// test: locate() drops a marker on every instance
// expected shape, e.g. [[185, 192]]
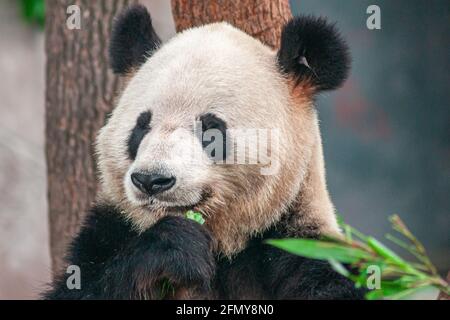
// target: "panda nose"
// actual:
[[152, 183]]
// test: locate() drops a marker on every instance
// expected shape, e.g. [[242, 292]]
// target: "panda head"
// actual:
[[215, 85]]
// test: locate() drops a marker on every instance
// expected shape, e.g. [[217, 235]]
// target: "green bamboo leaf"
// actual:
[[322, 250], [388, 288], [374, 295], [361, 278], [399, 242], [339, 267], [348, 233], [340, 220], [383, 294], [410, 293], [385, 252], [405, 280], [196, 216]]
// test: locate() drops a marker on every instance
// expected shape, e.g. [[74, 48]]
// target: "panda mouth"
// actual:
[[154, 203]]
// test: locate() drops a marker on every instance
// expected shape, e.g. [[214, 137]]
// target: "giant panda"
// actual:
[[136, 238]]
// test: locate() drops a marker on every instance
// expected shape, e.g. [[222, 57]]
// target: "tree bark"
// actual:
[[262, 19], [79, 94]]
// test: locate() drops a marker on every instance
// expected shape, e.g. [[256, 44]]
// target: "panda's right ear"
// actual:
[[133, 39]]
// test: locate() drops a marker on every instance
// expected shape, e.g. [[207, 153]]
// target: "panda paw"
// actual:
[[179, 259]]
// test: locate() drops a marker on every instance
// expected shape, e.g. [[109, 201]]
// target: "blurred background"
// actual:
[[386, 133]]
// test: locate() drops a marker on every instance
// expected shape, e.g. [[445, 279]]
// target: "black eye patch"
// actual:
[[138, 133], [211, 121]]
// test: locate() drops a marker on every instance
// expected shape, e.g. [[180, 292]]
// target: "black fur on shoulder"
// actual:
[[294, 277], [133, 39], [261, 271], [312, 50], [104, 232]]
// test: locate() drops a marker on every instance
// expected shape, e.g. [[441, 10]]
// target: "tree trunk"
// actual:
[[79, 94], [262, 19]]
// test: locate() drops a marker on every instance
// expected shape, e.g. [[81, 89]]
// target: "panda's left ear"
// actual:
[[133, 39], [313, 53]]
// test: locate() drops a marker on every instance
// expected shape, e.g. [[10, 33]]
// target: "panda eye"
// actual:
[[138, 133], [211, 121], [143, 121]]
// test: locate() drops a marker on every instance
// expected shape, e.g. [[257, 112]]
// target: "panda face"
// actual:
[[152, 154]]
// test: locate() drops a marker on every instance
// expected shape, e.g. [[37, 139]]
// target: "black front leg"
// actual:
[[176, 253], [117, 263]]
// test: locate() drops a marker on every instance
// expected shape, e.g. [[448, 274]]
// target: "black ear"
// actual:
[[313, 51], [133, 39]]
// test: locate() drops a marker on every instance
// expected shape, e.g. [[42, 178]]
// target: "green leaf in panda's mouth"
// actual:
[[196, 216]]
